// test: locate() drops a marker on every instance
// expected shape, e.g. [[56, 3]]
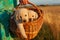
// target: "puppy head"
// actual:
[[23, 14], [32, 15]]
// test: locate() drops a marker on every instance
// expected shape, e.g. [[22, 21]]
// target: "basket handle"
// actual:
[[35, 7], [39, 12]]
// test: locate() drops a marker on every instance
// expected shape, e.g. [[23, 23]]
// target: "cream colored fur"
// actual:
[[32, 15], [21, 13]]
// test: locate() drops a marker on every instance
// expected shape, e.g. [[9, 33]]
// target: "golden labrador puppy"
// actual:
[[32, 15], [21, 15]]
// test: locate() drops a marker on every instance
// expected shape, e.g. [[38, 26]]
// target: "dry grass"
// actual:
[[52, 16]]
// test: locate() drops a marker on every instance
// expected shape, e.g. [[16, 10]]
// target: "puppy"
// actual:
[[21, 15], [32, 15]]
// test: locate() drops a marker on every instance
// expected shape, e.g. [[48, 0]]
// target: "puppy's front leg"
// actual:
[[21, 28]]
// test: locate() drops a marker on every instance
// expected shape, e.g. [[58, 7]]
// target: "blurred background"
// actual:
[[51, 27], [45, 2]]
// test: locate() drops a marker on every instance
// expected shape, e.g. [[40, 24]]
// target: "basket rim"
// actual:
[[39, 18]]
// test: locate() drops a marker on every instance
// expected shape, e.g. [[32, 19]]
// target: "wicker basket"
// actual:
[[31, 28]]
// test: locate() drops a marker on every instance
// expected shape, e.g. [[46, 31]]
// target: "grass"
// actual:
[[45, 33]]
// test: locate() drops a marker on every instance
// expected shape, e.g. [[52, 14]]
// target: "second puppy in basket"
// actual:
[[32, 15]]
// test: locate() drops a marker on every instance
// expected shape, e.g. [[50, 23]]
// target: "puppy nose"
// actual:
[[30, 19], [24, 20]]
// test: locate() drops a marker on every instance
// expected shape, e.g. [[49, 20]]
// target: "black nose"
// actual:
[[30, 19], [24, 20]]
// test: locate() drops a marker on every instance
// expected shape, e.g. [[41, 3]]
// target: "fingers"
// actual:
[[23, 2]]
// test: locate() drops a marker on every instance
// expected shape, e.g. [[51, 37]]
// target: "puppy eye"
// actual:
[[20, 17], [32, 16], [25, 15]]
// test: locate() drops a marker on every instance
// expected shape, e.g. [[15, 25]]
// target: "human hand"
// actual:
[[23, 2]]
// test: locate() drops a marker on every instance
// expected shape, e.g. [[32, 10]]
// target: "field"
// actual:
[[52, 17]]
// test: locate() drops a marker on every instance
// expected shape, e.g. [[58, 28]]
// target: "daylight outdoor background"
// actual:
[[44, 2], [51, 27]]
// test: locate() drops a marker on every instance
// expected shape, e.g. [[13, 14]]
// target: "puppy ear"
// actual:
[[14, 9], [36, 16]]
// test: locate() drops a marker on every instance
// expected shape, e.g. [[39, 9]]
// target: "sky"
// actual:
[[44, 2]]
